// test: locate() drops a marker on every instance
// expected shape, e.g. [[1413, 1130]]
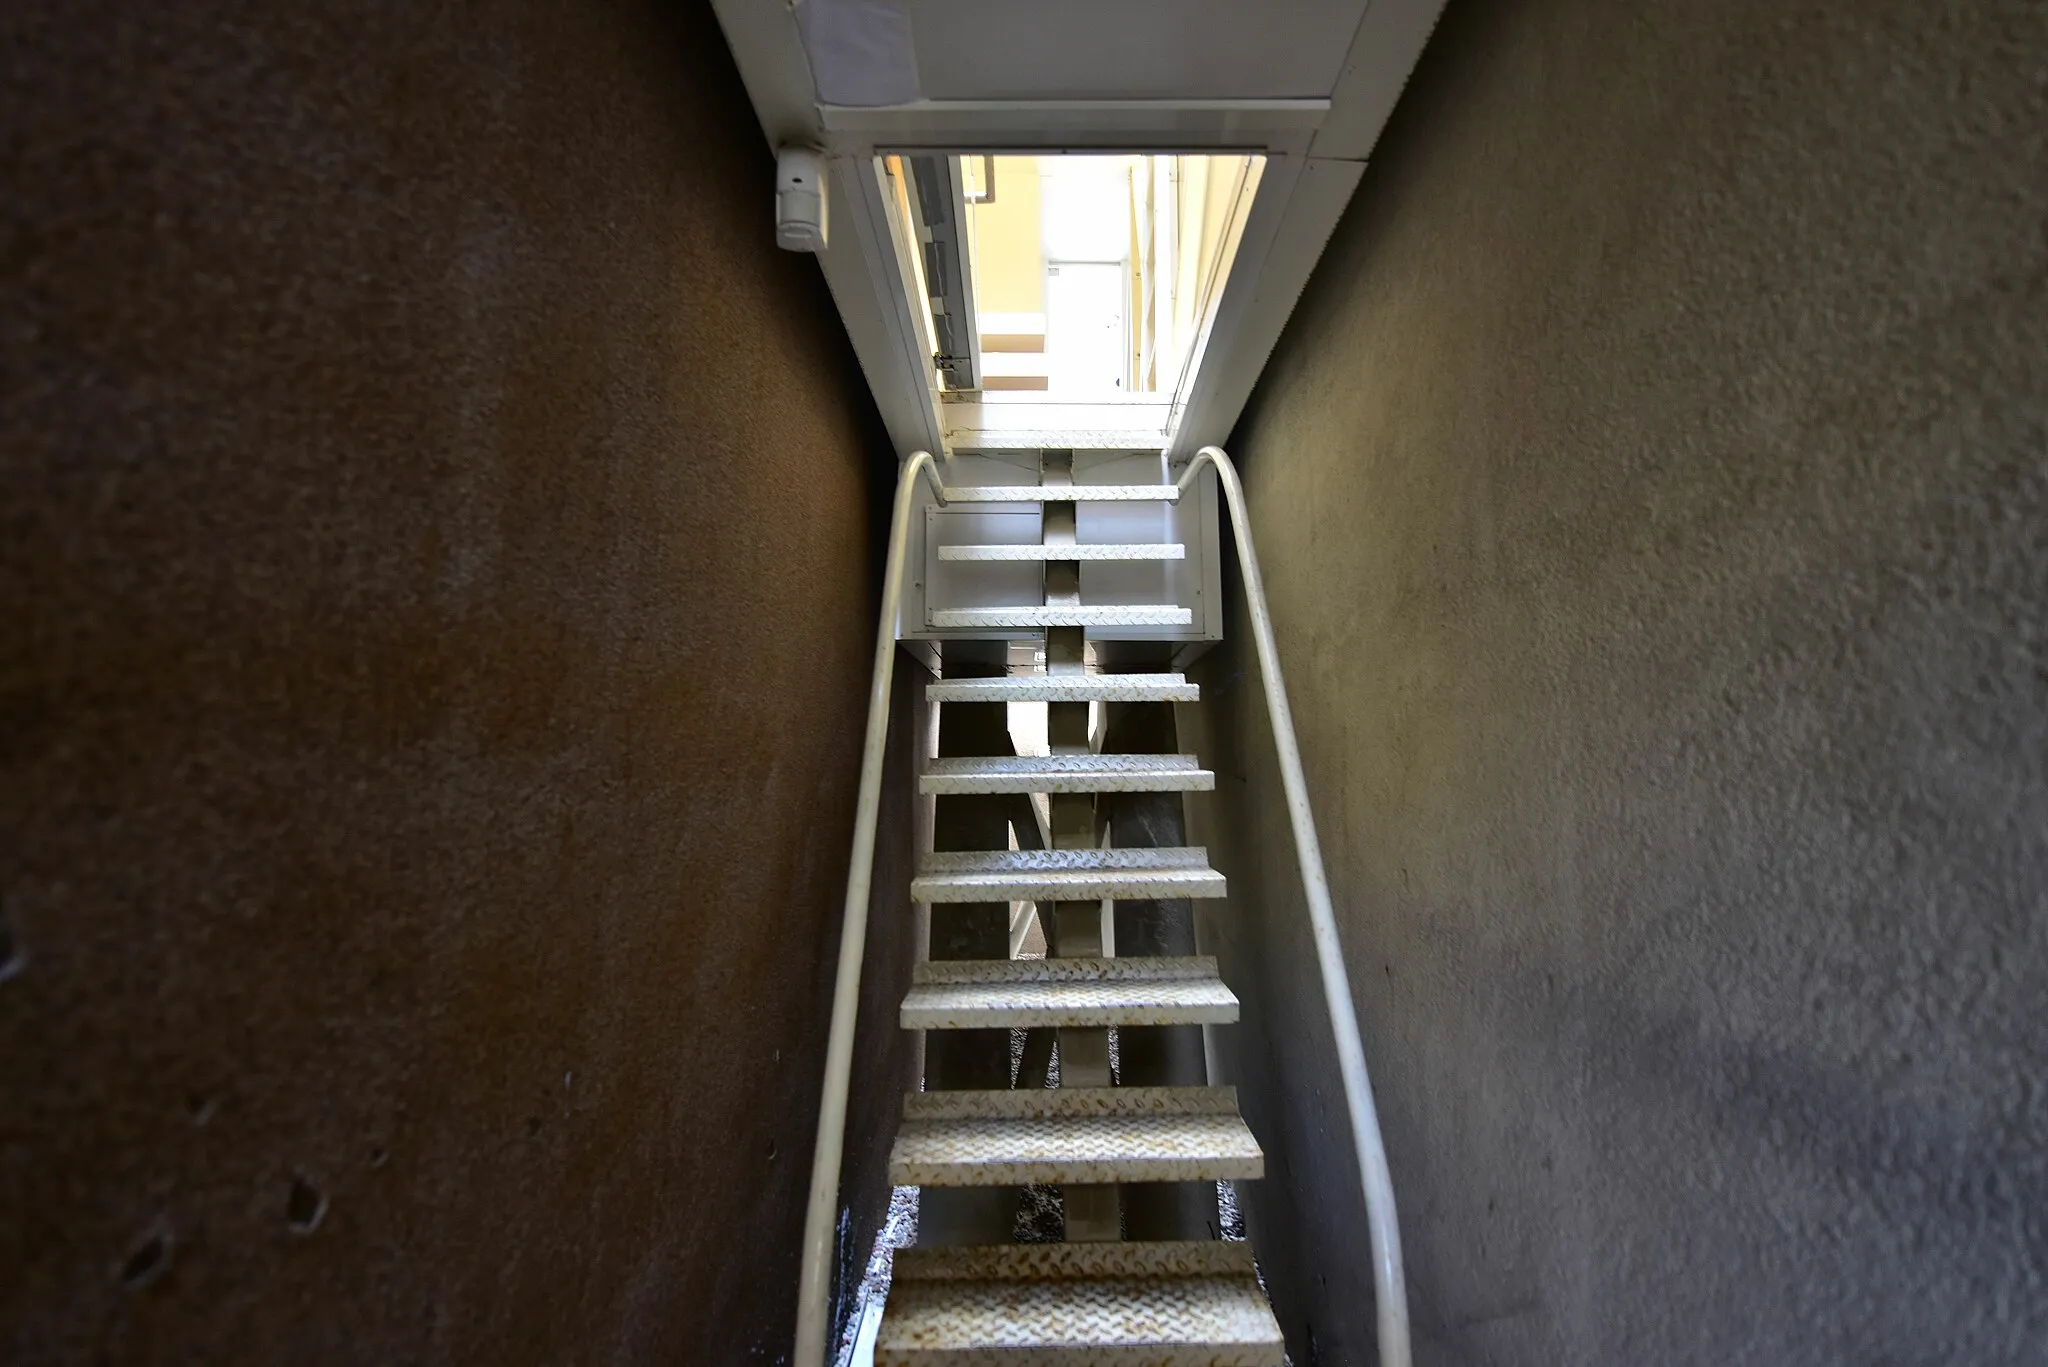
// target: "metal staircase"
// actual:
[[964, 1296]]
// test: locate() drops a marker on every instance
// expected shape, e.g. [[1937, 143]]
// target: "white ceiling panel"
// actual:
[[1130, 49]]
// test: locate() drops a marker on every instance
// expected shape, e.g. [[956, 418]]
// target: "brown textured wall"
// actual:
[[1652, 487], [437, 589]]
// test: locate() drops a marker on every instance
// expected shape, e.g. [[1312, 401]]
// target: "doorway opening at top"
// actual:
[[1069, 295]]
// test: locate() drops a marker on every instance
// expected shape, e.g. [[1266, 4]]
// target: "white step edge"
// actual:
[[974, 994], [1066, 875], [1142, 550], [1114, 1304], [1073, 1134], [1022, 1103], [1067, 774], [1066, 688], [1083, 615], [1063, 493]]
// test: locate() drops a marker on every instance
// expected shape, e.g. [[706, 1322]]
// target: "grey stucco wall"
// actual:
[[1653, 491]]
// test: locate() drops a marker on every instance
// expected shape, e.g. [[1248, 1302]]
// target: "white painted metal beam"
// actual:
[[875, 299], [1390, 38], [1067, 125], [1298, 206]]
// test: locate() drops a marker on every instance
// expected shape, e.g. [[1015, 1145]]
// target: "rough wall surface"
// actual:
[[437, 589], [1653, 492]]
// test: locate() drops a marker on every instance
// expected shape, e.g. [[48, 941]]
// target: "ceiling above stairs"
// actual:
[[1307, 84], [1126, 49]]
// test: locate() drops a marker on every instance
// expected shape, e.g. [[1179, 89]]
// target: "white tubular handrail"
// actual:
[[1390, 1289], [821, 1216]]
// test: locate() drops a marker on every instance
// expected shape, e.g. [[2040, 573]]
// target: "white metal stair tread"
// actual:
[[978, 436], [1073, 1134], [1068, 774], [1142, 550], [1066, 615], [975, 994], [1066, 688], [1196, 1304], [1086, 1302], [1065, 875], [1062, 493]]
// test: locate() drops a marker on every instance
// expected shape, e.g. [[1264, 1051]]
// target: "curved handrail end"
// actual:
[[821, 1211], [1383, 1225]]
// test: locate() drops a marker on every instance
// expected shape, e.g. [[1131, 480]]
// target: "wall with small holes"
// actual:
[[438, 588]]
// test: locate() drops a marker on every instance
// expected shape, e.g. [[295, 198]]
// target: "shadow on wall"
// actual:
[[1649, 489], [436, 523]]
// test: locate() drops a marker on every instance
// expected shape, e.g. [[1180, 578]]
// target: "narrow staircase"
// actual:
[[1094, 1298]]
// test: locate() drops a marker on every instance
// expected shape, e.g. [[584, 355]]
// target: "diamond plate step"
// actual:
[[1073, 1134], [1192, 1304], [1066, 615], [978, 994], [1145, 550], [1066, 688], [1063, 493], [1068, 774], [1065, 875]]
